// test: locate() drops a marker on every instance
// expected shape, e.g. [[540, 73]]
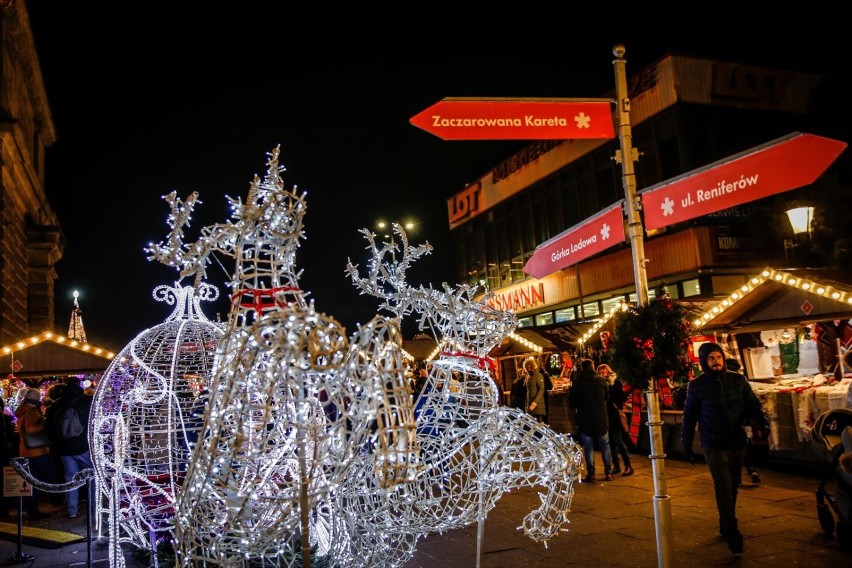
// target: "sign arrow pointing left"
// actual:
[[517, 119]]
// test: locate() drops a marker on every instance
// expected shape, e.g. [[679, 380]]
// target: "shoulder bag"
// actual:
[[34, 440]]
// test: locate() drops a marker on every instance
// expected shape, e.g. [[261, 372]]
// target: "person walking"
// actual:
[[535, 405], [72, 449], [617, 398], [31, 421], [719, 402], [588, 397]]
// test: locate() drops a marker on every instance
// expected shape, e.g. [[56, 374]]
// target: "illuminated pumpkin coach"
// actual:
[[147, 414]]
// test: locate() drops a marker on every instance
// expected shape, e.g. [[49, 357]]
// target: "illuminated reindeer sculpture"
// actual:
[[292, 401], [473, 449]]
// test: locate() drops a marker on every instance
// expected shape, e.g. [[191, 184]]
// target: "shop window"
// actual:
[[726, 284], [544, 319], [590, 310], [505, 274], [691, 288], [565, 314], [611, 303], [652, 293], [570, 200], [525, 322], [493, 276]]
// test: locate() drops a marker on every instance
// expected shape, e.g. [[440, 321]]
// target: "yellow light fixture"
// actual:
[[801, 219]]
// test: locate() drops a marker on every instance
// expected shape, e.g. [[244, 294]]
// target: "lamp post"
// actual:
[[801, 220]]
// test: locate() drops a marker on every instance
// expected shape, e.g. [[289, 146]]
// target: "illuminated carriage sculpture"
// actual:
[[293, 402], [146, 416]]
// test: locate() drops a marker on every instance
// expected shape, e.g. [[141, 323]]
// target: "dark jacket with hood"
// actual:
[[73, 396], [588, 397], [720, 404]]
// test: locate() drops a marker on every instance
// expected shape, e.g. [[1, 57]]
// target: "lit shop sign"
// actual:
[[518, 299], [464, 204]]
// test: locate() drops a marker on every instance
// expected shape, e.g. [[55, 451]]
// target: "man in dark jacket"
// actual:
[[720, 402], [73, 452], [588, 397]]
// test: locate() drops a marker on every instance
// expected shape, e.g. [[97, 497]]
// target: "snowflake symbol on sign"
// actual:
[[605, 231], [668, 207], [582, 120]]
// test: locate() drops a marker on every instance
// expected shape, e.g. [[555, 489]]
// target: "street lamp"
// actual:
[[386, 228], [801, 220]]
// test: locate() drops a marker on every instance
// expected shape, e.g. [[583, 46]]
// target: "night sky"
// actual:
[[150, 98]]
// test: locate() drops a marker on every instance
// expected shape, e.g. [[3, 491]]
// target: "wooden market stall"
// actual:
[[547, 344], [791, 330], [43, 359]]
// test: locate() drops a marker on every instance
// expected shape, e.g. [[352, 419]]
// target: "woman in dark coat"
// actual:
[[617, 398], [589, 397]]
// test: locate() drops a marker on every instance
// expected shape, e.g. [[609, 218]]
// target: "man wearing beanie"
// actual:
[[720, 402]]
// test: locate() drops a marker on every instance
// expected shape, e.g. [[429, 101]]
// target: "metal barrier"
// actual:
[[81, 478]]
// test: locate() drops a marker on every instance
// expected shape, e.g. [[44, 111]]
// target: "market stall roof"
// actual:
[[561, 336], [775, 298], [420, 347], [49, 353], [536, 339]]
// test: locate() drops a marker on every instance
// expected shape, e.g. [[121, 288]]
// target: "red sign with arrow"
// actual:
[[595, 234], [778, 166], [517, 119]]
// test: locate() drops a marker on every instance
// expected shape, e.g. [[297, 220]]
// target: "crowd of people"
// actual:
[[35, 431], [597, 398]]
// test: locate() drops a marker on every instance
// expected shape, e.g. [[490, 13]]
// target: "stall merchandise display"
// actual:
[[794, 403]]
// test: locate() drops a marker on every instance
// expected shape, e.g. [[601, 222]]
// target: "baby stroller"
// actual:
[[831, 436]]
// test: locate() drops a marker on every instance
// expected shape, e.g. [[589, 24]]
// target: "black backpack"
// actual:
[[68, 423]]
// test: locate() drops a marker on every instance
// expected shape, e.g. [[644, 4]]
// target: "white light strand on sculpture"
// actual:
[[146, 416], [292, 401], [473, 449]]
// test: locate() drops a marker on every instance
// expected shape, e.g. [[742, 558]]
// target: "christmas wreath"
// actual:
[[651, 341]]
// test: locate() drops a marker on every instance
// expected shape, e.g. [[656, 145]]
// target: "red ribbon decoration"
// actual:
[[484, 363], [261, 300], [665, 393]]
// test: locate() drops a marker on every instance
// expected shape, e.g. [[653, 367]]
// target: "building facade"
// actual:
[[686, 113], [31, 240]]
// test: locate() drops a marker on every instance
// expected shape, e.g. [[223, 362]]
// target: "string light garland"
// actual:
[[781, 277], [60, 339]]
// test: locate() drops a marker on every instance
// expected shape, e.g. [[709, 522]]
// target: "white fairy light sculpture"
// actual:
[[292, 401], [146, 416], [473, 449]]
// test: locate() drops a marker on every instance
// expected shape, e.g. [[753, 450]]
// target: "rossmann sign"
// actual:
[[519, 299]]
